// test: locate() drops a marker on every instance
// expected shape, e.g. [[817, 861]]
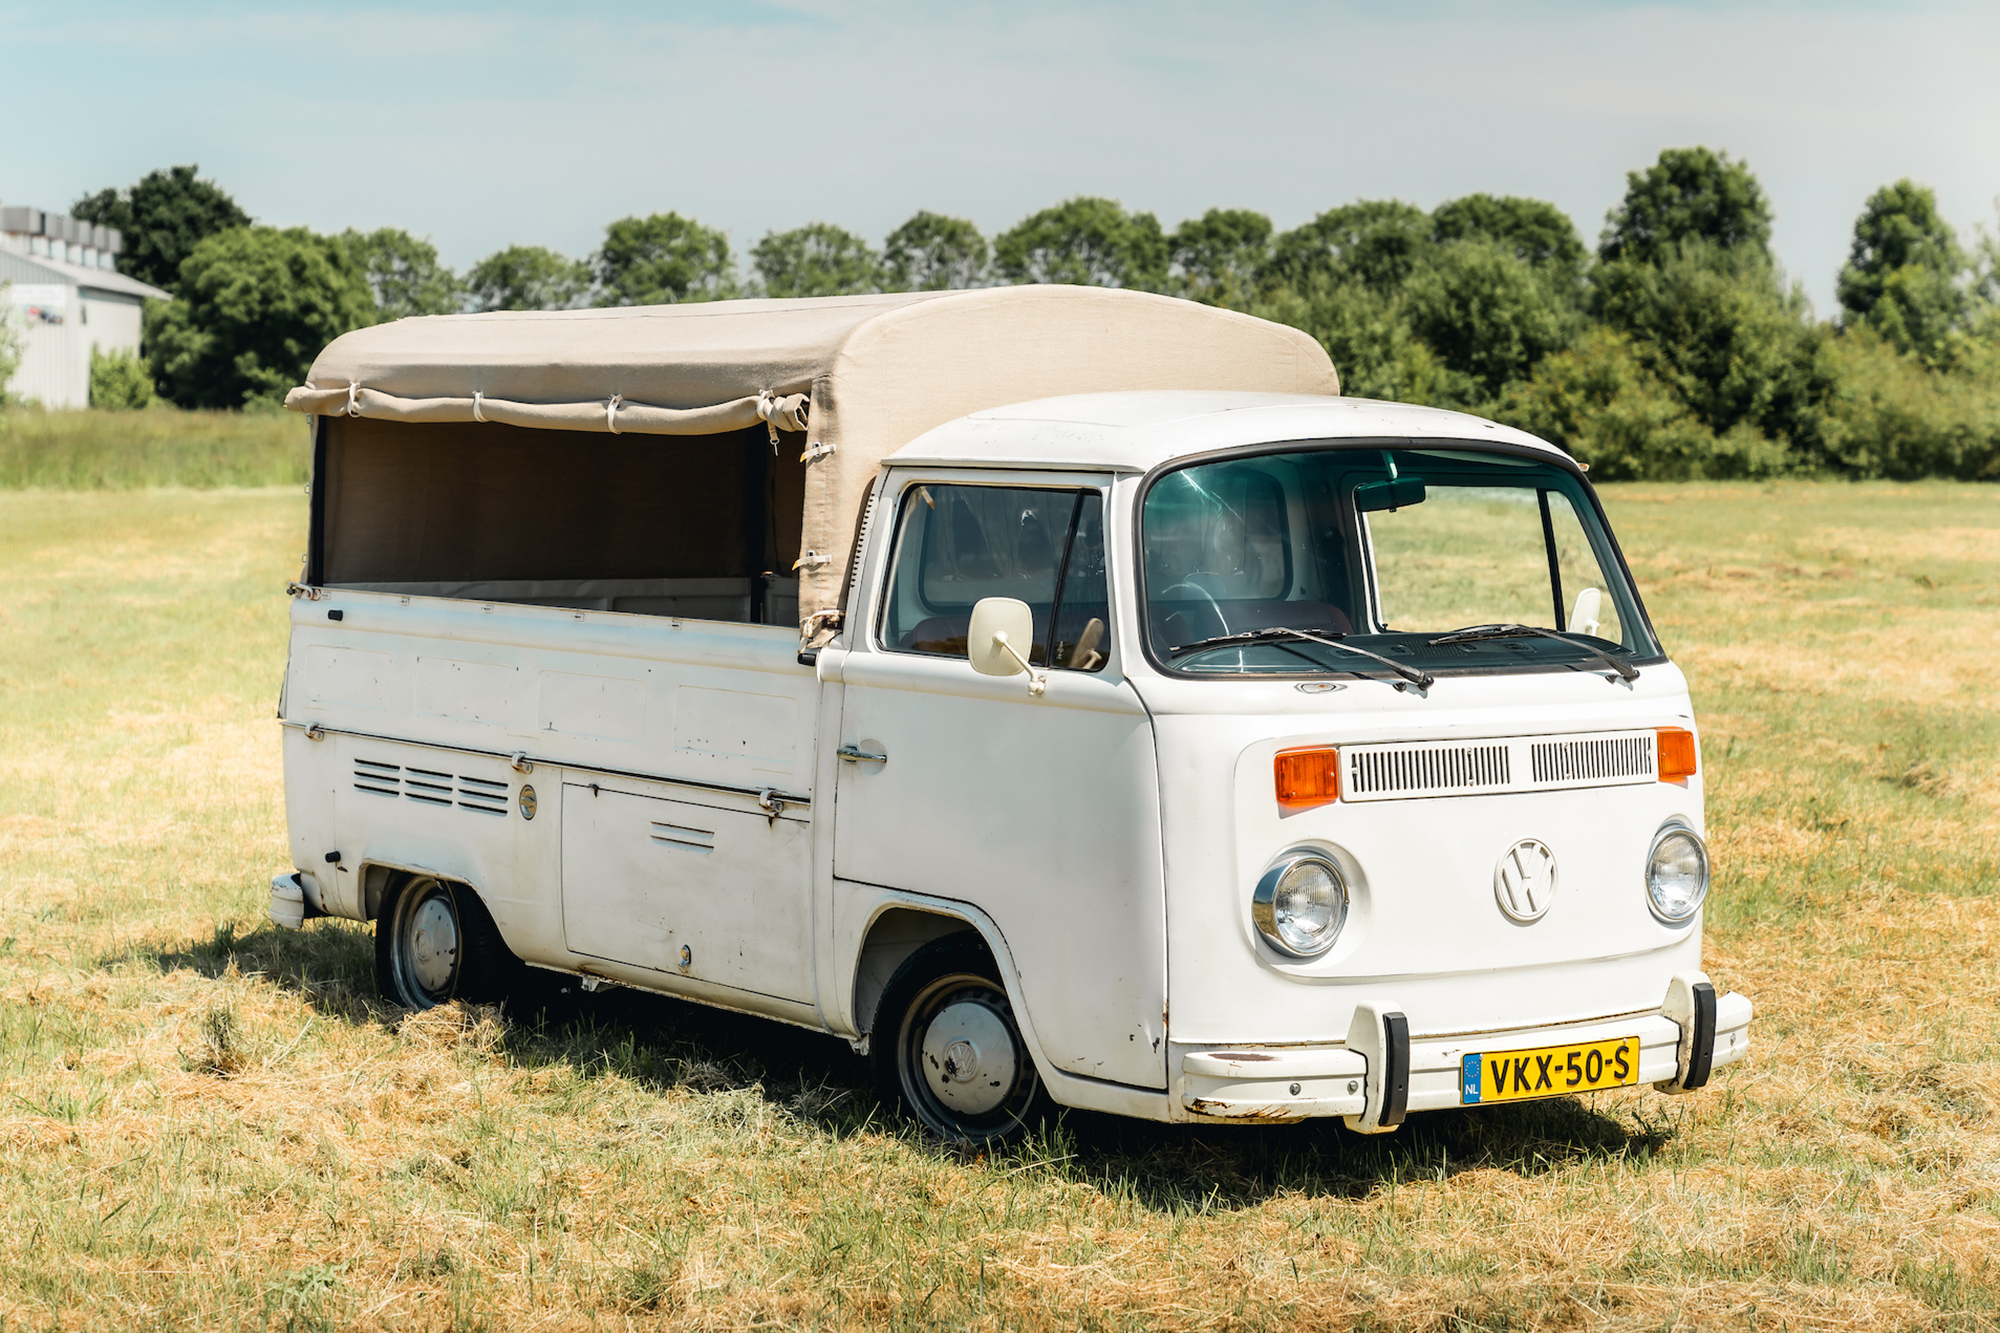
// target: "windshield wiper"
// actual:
[[1423, 680], [1478, 632]]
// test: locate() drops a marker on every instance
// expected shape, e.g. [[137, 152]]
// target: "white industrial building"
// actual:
[[65, 296]]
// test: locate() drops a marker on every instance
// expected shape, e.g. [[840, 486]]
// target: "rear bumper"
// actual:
[[1266, 1084], [295, 900]]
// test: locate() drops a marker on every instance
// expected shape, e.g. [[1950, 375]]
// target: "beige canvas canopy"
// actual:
[[861, 375]]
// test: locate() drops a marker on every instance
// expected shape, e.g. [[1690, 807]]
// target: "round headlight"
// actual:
[[1300, 905], [1676, 874]]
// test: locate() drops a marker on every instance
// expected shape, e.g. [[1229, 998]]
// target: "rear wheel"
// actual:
[[434, 943], [946, 1045]]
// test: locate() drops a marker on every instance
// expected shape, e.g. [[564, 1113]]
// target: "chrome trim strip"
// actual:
[[317, 729]]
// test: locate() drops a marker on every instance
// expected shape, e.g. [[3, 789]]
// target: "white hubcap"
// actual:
[[433, 945], [968, 1058]]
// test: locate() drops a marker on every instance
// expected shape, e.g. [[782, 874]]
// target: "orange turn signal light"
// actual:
[[1307, 777], [1678, 761]]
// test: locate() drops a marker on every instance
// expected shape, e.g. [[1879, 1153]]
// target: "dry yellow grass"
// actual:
[[206, 1123]]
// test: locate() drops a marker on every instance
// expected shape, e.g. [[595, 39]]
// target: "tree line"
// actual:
[[1675, 348]]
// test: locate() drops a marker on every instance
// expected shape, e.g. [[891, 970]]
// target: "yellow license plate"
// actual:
[[1548, 1071]]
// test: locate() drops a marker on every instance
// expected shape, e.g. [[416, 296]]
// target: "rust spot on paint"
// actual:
[[1222, 1110]]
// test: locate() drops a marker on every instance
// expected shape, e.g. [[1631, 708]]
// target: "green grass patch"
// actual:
[[93, 450]]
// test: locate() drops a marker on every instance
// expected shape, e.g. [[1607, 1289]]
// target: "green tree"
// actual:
[[818, 259], [404, 273], [1087, 241], [1489, 315], [1534, 230], [661, 260], [1985, 271], [1366, 332], [1379, 242], [1903, 274], [934, 253], [1894, 416], [1218, 256], [256, 305], [1599, 401], [1690, 194], [163, 218], [1717, 326], [527, 277], [119, 380]]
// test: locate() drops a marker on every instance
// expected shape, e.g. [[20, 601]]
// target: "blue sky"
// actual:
[[537, 124]]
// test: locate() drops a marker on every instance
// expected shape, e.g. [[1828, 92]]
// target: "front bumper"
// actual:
[[1361, 1080]]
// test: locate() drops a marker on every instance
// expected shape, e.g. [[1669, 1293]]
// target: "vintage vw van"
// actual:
[[1064, 695]]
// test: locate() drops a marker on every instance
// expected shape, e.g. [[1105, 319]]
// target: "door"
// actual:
[[688, 888], [1042, 811]]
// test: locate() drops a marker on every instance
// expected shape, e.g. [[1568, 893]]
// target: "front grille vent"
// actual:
[[1592, 760], [428, 786], [1422, 770], [1412, 769]]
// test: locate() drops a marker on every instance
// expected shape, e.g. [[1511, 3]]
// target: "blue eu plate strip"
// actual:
[[1469, 1081]]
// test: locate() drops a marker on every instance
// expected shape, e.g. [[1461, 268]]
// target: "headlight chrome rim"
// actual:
[[1279, 923], [1676, 829]]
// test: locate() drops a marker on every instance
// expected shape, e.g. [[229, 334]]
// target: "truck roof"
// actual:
[[1139, 431]]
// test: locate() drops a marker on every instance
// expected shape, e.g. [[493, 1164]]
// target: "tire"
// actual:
[[435, 943], [946, 1046]]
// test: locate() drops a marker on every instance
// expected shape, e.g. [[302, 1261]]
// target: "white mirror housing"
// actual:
[[1000, 638], [1583, 619]]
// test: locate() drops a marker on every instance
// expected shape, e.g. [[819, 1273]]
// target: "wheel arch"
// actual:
[[903, 923], [379, 877]]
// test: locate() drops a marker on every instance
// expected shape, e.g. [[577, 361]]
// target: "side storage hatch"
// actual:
[[645, 878]]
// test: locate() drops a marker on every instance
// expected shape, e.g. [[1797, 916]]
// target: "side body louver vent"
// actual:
[[430, 787]]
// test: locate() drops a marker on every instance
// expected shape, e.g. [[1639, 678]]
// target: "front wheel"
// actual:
[[947, 1046], [434, 943]]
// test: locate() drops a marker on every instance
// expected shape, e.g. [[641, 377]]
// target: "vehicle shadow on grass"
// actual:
[[1175, 1169], [668, 1044], [654, 1040], [1203, 1168]]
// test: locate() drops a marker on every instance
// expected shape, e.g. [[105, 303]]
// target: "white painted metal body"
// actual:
[[696, 831]]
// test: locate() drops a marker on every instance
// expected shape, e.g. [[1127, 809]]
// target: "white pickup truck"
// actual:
[[1064, 695]]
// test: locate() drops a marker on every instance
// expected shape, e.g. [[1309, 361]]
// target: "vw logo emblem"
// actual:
[[1525, 880]]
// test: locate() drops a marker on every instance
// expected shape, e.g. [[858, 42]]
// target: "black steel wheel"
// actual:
[[946, 1045], [434, 943]]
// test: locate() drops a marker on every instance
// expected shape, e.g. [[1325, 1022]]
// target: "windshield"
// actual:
[[1383, 551]]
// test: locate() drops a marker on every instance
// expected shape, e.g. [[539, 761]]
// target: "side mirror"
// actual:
[[1583, 619], [1396, 494], [1001, 628]]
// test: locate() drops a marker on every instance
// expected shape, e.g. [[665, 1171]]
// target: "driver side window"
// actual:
[[957, 544]]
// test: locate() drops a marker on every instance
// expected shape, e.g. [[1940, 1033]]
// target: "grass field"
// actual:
[[96, 450], [207, 1123]]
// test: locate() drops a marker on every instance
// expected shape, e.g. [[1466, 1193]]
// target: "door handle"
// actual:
[[852, 754]]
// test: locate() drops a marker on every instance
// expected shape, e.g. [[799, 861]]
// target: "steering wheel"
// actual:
[[1214, 605]]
